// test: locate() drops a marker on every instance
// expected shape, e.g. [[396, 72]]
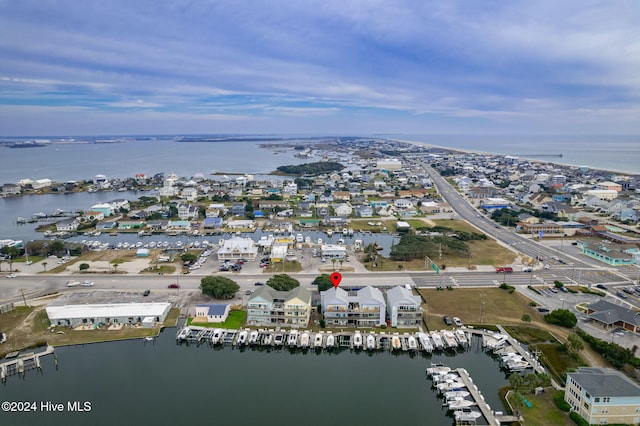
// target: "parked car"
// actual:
[[600, 286], [146, 292], [447, 320], [627, 290], [621, 295], [564, 289], [547, 266], [12, 275], [543, 310], [247, 293], [259, 283], [457, 321], [174, 285], [236, 268]]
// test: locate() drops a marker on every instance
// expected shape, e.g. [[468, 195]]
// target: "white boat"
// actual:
[[345, 231], [458, 403], [454, 394], [350, 232], [449, 339], [413, 344], [253, 337], [518, 365], [437, 340], [330, 341], [242, 337], [149, 339], [292, 341], [466, 414], [307, 240], [182, 334], [278, 339], [267, 340], [437, 368], [461, 337], [317, 340], [371, 342], [357, 340], [304, 340], [299, 238], [217, 335], [449, 385], [320, 241], [329, 232], [395, 342], [425, 342]]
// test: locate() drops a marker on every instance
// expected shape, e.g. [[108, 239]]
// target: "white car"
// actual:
[[546, 266], [11, 275], [457, 321], [87, 283]]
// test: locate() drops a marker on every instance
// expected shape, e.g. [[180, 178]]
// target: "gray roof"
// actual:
[[269, 294], [604, 382], [399, 295], [610, 313]]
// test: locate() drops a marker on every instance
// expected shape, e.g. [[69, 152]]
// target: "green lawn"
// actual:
[[557, 359], [529, 335], [543, 411], [234, 321]]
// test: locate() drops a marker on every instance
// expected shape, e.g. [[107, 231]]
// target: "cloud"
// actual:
[[457, 63]]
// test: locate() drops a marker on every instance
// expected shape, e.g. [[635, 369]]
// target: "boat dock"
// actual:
[[19, 363], [531, 359], [492, 417]]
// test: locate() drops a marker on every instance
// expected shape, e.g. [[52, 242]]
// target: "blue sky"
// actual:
[[319, 67]]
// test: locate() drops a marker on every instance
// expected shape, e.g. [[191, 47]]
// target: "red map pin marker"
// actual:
[[335, 278]]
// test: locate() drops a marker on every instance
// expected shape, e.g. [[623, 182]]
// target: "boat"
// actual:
[[242, 338], [449, 339], [454, 394], [395, 342], [292, 341], [183, 333], [345, 231], [267, 340], [21, 220], [253, 337], [149, 339], [357, 340], [466, 415], [299, 238], [329, 232], [278, 340], [437, 340], [459, 403], [449, 385], [350, 232], [304, 340], [217, 335], [319, 241], [461, 337], [437, 368], [439, 378], [317, 341], [425, 342], [413, 344], [330, 340], [371, 342]]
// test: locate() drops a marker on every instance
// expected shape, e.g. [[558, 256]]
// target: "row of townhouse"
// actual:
[[368, 307]]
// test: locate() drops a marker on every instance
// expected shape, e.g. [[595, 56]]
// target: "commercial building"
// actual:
[[238, 248], [603, 396], [108, 313]]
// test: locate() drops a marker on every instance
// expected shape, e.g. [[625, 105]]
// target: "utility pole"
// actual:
[[23, 298]]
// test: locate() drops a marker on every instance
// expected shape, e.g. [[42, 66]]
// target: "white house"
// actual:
[[362, 308], [212, 312], [403, 308], [238, 248], [41, 183], [70, 224]]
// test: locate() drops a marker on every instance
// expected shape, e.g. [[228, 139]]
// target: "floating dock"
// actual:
[[20, 363]]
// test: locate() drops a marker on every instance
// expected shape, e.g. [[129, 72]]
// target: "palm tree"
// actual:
[[341, 262], [333, 261]]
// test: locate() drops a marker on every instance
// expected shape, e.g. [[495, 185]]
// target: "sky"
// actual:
[[319, 67]]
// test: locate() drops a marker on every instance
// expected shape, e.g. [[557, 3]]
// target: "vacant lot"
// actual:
[[476, 306], [543, 410]]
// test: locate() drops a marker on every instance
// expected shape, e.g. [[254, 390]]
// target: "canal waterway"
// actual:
[[137, 382]]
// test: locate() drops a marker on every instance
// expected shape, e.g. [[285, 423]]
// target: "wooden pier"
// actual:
[[23, 362], [535, 364], [492, 417]]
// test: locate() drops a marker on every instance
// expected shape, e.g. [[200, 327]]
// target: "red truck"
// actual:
[[503, 269]]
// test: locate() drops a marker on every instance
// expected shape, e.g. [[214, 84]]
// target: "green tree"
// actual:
[[526, 318], [323, 282], [188, 257], [83, 266], [575, 342], [516, 381], [219, 287], [282, 282], [56, 247], [561, 317]]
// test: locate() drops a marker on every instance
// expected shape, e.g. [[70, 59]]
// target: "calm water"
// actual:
[[164, 383]]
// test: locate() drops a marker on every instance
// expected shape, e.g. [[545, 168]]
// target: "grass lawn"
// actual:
[[500, 306], [529, 335], [543, 410], [557, 359], [234, 321], [289, 266], [162, 269], [363, 225]]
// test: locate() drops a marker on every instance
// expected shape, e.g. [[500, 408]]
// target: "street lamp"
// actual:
[[562, 303]]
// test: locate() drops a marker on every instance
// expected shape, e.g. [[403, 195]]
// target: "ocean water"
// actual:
[[614, 153]]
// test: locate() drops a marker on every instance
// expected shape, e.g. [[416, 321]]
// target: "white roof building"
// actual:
[[109, 313], [238, 248]]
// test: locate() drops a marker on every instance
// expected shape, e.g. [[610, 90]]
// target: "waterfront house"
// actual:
[[103, 208], [10, 189], [179, 225], [603, 396], [211, 312], [106, 226], [241, 224], [41, 183], [187, 211], [70, 224], [361, 308], [213, 223], [130, 224], [238, 248], [238, 209], [269, 307], [92, 215], [160, 224], [403, 308]]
